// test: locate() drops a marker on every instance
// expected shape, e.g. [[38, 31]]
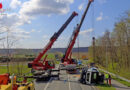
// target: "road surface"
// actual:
[[66, 82]]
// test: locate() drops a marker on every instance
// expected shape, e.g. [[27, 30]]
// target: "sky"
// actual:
[[33, 22]]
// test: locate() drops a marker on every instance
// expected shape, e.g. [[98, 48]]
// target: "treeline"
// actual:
[[112, 50]]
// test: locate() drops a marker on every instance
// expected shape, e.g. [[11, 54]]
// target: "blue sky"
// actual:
[[35, 21]]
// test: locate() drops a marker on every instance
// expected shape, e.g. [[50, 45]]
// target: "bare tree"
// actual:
[[8, 41]]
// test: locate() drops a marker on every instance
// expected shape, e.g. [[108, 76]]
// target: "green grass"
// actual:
[[105, 87], [3, 69], [50, 56], [121, 81], [13, 69]]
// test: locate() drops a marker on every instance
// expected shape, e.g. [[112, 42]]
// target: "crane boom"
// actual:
[[35, 64], [75, 35], [55, 36]]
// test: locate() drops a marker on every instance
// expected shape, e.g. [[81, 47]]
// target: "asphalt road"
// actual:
[[66, 82]]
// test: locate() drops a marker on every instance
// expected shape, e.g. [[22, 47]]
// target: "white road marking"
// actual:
[[47, 84], [69, 82]]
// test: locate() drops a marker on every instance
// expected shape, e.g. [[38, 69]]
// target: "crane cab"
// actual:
[[49, 64]]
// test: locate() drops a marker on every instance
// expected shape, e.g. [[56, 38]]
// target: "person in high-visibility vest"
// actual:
[[106, 77]]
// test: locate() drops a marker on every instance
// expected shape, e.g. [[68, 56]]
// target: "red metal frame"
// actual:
[[36, 64], [1, 6], [4, 79], [66, 60]]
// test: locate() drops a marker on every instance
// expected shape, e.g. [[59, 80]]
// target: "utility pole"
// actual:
[[93, 48]]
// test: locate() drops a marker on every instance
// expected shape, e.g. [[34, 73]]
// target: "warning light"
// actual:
[[1, 6]]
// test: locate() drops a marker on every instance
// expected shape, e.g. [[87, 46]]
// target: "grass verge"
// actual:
[[105, 87]]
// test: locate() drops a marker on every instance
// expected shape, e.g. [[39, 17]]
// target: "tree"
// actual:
[[113, 48], [8, 40]]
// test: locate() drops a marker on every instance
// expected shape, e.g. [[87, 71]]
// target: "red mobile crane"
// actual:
[[36, 64], [66, 60]]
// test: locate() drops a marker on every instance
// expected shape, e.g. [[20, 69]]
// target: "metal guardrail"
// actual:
[[122, 78]]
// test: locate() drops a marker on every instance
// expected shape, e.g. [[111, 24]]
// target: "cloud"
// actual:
[[39, 31], [81, 6], [86, 31], [33, 30], [20, 31], [102, 1], [14, 36], [9, 20], [100, 17], [12, 22], [21, 36], [28, 10], [45, 7], [15, 3], [45, 36]]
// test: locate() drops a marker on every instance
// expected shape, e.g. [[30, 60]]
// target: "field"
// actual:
[[14, 68]]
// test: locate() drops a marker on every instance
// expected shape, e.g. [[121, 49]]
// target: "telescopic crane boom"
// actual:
[[74, 36], [36, 63]]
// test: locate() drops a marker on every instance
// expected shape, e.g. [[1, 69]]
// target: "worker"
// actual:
[[109, 79], [106, 77]]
